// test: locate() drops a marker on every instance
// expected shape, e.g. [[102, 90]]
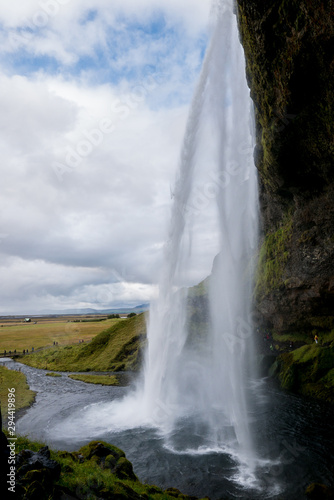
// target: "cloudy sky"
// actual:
[[94, 100]]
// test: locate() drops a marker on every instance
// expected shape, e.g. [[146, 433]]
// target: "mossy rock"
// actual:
[[110, 462], [124, 470], [100, 449], [308, 371], [289, 375], [274, 369], [174, 492]]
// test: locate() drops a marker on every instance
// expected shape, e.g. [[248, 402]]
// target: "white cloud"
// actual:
[[116, 141]]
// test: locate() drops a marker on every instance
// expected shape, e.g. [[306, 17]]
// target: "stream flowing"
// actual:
[[293, 435]]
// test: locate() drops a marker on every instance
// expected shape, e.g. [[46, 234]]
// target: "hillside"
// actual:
[[115, 349]]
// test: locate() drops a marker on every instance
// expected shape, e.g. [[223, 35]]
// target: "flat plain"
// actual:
[[16, 334]]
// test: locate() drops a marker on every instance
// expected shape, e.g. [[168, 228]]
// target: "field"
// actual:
[[116, 348], [10, 379], [45, 331]]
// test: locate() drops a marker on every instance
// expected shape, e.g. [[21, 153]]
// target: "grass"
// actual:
[[85, 474], [96, 379], [28, 335], [51, 374], [11, 379], [117, 348]]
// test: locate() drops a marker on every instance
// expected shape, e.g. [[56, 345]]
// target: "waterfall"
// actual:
[[193, 389], [203, 382]]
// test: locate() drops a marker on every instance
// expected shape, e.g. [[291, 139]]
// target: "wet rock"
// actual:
[[28, 460], [285, 46]]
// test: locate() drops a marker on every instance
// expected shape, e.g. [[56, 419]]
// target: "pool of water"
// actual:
[[293, 439]]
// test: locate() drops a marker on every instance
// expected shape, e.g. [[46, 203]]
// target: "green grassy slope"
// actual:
[[10, 379], [115, 349]]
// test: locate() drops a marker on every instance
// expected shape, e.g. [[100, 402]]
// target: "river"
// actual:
[[293, 437]]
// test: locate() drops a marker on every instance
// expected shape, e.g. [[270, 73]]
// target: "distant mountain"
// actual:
[[65, 312], [114, 310]]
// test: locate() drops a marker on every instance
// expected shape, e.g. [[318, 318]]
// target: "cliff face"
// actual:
[[289, 48]]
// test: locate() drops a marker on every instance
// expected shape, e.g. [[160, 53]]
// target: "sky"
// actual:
[[94, 101]]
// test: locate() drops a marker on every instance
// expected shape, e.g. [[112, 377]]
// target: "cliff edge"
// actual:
[[289, 48]]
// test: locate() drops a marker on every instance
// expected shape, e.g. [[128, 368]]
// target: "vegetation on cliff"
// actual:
[[273, 257], [308, 370], [98, 470], [290, 69], [115, 349], [289, 60]]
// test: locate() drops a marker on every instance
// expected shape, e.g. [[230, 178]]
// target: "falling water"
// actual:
[[193, 389], [203, 382]]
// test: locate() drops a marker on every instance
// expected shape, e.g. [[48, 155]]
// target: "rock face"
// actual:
[[289, 48]]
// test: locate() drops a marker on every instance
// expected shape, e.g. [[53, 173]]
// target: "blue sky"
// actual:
[[94, 99]]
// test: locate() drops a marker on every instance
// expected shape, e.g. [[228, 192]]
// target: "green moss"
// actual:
[[97, 470], [309, 371], [90, 449], [292, 337], [273, 256], [96, 379]]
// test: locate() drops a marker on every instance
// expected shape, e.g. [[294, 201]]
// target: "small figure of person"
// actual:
[[24, 351], [316, 338], [271, 347], [32, 349]]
